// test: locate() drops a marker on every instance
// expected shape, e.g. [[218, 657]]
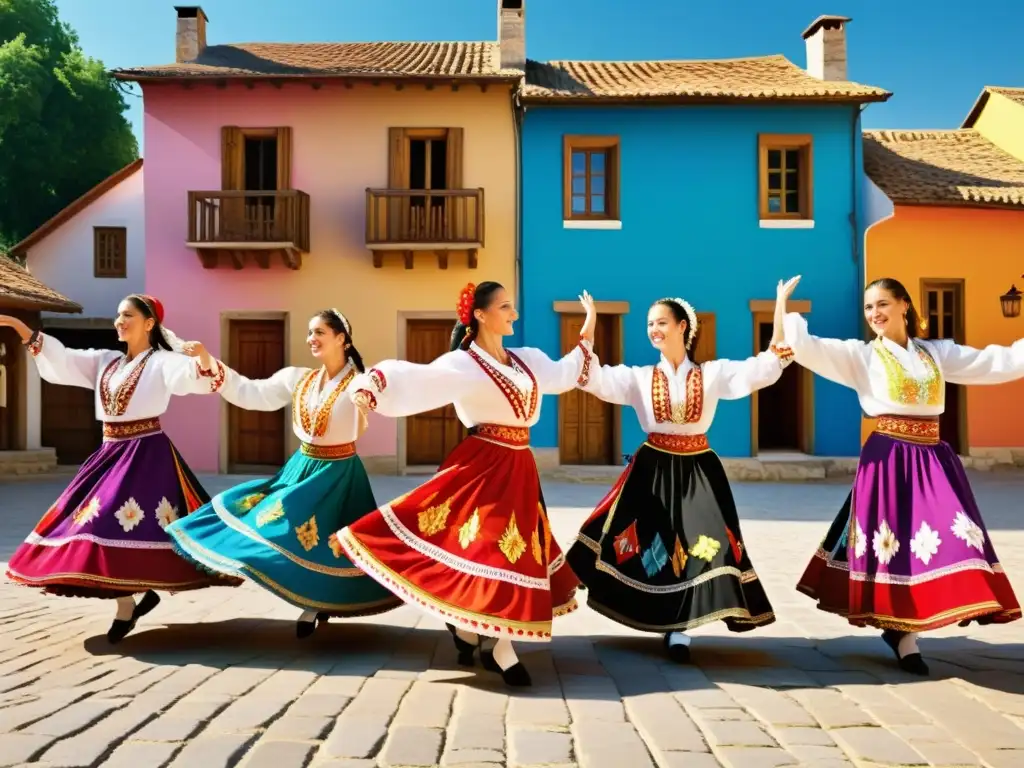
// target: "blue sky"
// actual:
[[934, 64]]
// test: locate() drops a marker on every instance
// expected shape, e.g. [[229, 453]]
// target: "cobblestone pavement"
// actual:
[[217, 678]]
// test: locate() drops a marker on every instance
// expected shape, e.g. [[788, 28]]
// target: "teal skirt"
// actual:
[[279, 533]]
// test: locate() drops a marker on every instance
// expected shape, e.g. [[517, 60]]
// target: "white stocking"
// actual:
[[308, 617], [678, 638], [908, 645], [125, 608], [504, 654]]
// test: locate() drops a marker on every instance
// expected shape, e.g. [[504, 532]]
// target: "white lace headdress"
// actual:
[[691, 316]]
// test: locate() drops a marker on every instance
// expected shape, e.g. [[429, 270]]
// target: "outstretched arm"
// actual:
[[399, 388]]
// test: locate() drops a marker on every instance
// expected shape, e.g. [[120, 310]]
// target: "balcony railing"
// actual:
[[232, 219], [429, 218]]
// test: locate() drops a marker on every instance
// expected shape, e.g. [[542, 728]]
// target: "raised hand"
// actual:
[[193, 348], [590, 323], [785, 289]]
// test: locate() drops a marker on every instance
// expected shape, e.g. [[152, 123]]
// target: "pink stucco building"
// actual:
[[286, 178]]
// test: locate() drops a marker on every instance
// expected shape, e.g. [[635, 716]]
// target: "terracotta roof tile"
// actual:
[[1014, 94], [474, 60], [19, 289], [762, 78], [75, 206], [958, 167]]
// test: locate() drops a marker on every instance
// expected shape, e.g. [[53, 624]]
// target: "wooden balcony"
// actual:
[[437, 220], [249, 223]]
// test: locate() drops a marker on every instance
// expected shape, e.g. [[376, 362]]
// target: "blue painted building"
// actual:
[[709, 180]]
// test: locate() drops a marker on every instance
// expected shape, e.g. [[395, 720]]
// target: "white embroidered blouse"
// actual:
[[483, 390], [320, 414], [901, 381], [683, 401], [125, 390]]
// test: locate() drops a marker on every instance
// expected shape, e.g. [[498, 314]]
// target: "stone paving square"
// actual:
[[217, 678]]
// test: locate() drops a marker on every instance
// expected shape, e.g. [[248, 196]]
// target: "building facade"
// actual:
[[947, 210], [93, 250], [282, 179], [709, 180]]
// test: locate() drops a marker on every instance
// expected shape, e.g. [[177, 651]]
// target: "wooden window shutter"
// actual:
[[232, 166], [704, 350], [398, 159], [284, 158], [454, 158]]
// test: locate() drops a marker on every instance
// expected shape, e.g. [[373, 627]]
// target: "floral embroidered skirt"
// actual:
[[472, 546], [909, 550], [104, 536], [663, 550], [278, 533]]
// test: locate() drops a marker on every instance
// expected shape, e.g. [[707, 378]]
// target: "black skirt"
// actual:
[[663, 550]]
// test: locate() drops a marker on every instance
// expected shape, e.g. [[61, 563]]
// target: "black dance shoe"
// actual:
[[304, 629], [515, 676], [679, 653], [466, 650], [119, 628], [912, 662]]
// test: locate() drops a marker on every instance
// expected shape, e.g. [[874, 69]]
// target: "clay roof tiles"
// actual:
[[956, 167], [768, 78], [474, 60], [21, 290]]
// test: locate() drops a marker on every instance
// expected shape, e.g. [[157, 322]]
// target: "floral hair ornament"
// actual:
[[465, 305], [691, 316], [344, 322]]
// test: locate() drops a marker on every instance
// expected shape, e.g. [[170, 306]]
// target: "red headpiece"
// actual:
[[465, 305], [155, 305]]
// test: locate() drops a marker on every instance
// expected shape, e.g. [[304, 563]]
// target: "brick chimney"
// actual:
[[512, 33], [190, 39], [826, 47]]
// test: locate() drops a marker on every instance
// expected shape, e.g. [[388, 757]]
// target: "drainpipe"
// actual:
[[859, 255], [518, 113]]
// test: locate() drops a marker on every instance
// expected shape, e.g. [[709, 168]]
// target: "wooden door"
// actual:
[[256, 439], [69, 423], [586, 424], [780, 406], [12, 354], [944, 313], [430, 436]]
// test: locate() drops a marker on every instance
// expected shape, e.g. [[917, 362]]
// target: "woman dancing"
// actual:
[[663, 552], [105, 536], [276, 532], [908, 551], [472, 545]]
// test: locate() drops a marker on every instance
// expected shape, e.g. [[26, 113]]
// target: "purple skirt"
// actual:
[[909, 550], [104, 536]]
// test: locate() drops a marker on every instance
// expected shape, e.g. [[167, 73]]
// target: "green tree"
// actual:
[[62, 123]]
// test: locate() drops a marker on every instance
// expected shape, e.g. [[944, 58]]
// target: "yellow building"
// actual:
[[998, 115], [282, 179]]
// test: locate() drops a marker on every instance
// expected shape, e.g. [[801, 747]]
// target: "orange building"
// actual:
[[948, 221]]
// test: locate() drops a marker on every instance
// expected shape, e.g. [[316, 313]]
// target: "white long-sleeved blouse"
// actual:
[[126, 390], [321, 414], [483, 390], [901, 381], [683, 400]]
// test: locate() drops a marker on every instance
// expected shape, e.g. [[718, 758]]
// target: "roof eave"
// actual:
[[39, 305], [975, 113], [1019, 207], [150, 77], [561, 100]]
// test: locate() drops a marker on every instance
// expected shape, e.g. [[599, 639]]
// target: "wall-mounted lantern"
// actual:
[[1010, 302]]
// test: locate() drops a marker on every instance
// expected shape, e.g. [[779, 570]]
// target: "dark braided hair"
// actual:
[[333, 320]]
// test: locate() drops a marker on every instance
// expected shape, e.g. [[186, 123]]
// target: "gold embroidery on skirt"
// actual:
[[307, 534], [250, 501], [274, 512], [469, 530], [511, 542], [434, 519], [706, 548], [538, 553], [87, 511]]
